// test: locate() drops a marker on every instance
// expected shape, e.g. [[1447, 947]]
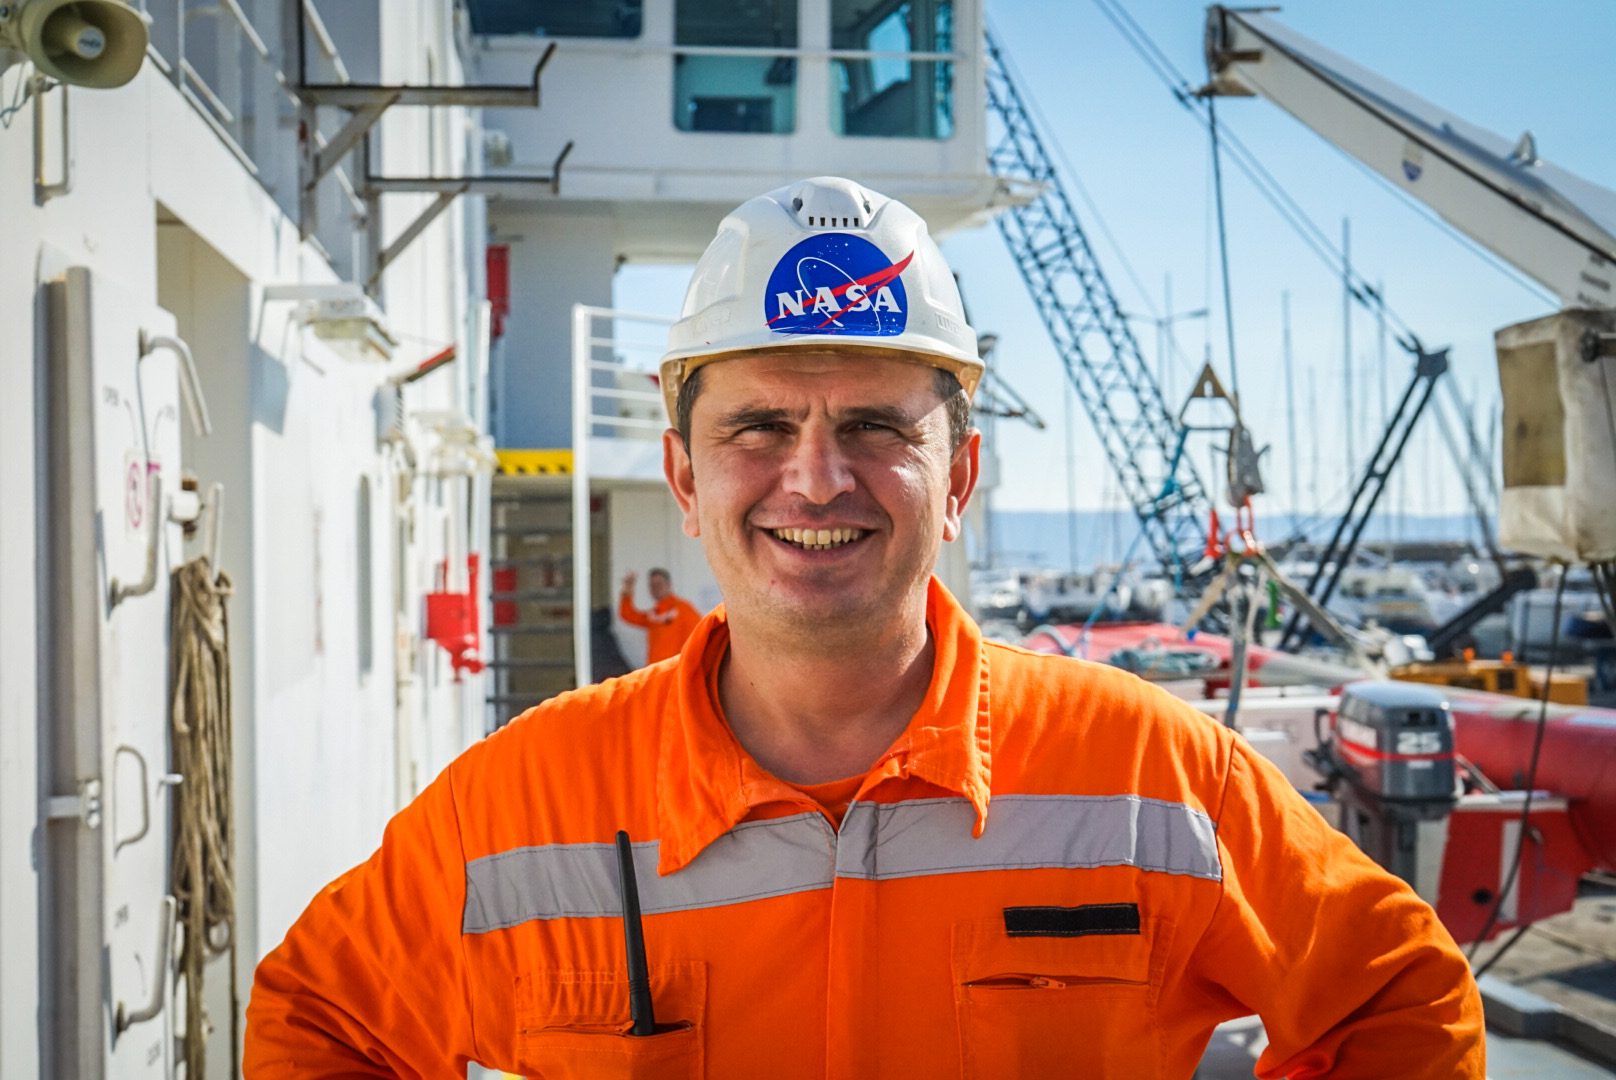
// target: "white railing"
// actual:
[[615, 395], [231, 76], [615, 356]]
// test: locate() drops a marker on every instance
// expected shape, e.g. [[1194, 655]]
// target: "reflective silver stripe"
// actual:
[[878, 842], [933, 836], [753, 861]]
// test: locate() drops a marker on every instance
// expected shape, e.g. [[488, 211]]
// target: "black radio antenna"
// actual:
[[639, 977]]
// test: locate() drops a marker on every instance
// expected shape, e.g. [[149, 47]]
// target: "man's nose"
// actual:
[[818, 469]]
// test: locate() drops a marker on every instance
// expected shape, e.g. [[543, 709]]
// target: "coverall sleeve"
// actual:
[[371, 979], [1350, 971], [629, 613]]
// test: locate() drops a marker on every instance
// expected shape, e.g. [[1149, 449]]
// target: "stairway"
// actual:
[[531, 629]]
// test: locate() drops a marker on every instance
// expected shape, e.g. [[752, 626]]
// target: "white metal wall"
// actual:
[[318, 740]]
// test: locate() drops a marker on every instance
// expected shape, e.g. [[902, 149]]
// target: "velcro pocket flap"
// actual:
[[984, 952]]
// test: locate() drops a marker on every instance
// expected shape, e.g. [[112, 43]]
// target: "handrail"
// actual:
[[220, 109], [196, 405], [247, 27], [124, 1019], [628, 421], [119, 591], [322, 37]]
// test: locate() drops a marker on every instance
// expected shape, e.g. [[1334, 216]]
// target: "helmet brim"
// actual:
[[676, 369]]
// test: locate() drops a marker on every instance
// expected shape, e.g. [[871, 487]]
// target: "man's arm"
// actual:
[[1351, 972], [626, 609], [371, 979]]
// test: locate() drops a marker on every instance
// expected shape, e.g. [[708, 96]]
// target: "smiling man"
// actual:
[[868, 843]]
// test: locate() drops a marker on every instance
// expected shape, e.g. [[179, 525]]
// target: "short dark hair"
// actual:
[[946, 383], [657, 570]]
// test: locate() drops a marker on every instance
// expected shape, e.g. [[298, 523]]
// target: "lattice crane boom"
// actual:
[[1141, 437]]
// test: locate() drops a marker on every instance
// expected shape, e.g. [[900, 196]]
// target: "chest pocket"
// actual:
[[1081, 1006], [572, 1025]]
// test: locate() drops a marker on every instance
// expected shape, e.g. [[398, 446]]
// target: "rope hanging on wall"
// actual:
[[203, 872]]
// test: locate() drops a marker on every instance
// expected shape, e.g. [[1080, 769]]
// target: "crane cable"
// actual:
[[1314, 237], [1223, 252], [202, 877]]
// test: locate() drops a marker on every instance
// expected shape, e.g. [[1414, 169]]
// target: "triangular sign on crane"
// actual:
[[1208, 387]]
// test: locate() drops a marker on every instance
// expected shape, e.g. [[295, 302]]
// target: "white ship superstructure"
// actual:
[[156, 226], [308, 205]]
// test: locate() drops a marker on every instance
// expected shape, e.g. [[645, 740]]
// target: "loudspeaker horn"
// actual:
[[95, 43]]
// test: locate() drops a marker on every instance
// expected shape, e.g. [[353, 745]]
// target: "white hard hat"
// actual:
[[822, 264]]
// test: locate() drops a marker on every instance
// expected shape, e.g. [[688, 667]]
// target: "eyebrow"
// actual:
[[748, 415], [889, 415]]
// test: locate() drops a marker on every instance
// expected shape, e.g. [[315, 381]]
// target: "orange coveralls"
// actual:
[[1057, 870], [662, 638]]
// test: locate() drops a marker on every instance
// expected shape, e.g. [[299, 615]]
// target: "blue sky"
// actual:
[[1143, 162]]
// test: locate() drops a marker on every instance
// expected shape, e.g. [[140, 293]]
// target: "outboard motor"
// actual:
[[1390, 763]]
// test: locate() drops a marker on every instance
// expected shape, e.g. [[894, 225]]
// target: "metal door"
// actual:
[[115, 410]]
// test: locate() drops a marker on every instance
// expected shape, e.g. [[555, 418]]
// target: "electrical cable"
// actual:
[[1531, 783], [19, 99], [1509, 944]]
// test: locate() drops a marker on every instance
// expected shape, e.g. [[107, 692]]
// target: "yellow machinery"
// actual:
[[1504, 676]]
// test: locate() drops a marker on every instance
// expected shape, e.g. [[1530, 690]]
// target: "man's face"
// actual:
[[820, 485], [659, 586]]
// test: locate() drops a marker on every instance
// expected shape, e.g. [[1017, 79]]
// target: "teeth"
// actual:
[[819, 539]]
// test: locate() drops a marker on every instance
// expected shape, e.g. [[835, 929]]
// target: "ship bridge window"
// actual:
[[899, 82], [557, 18], [754, 24], [727, 91]]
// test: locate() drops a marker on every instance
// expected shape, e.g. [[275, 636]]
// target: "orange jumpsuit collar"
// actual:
[[707, 783]]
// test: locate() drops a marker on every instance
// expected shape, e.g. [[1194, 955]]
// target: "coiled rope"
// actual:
[[203, 874]]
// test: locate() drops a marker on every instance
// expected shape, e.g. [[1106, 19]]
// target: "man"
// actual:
[[867, 842], [667, 624]]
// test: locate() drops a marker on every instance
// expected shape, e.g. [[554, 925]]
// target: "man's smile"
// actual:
[[819, 539]]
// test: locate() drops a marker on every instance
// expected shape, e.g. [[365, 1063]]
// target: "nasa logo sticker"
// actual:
[[837, 283]]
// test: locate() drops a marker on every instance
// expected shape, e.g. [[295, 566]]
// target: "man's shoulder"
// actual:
[[1124, 729], [1026, 675]]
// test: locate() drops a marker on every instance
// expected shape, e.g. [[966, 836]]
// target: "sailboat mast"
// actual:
[[1290, 400], [1346, 338]]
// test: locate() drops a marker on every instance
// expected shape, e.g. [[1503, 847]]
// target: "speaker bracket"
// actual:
[[365, 104]]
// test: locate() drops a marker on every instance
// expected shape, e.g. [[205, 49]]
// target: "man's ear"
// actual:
[[681, 478], [962, 475]]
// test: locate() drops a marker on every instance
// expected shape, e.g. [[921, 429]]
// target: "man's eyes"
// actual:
[[775, 427]]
